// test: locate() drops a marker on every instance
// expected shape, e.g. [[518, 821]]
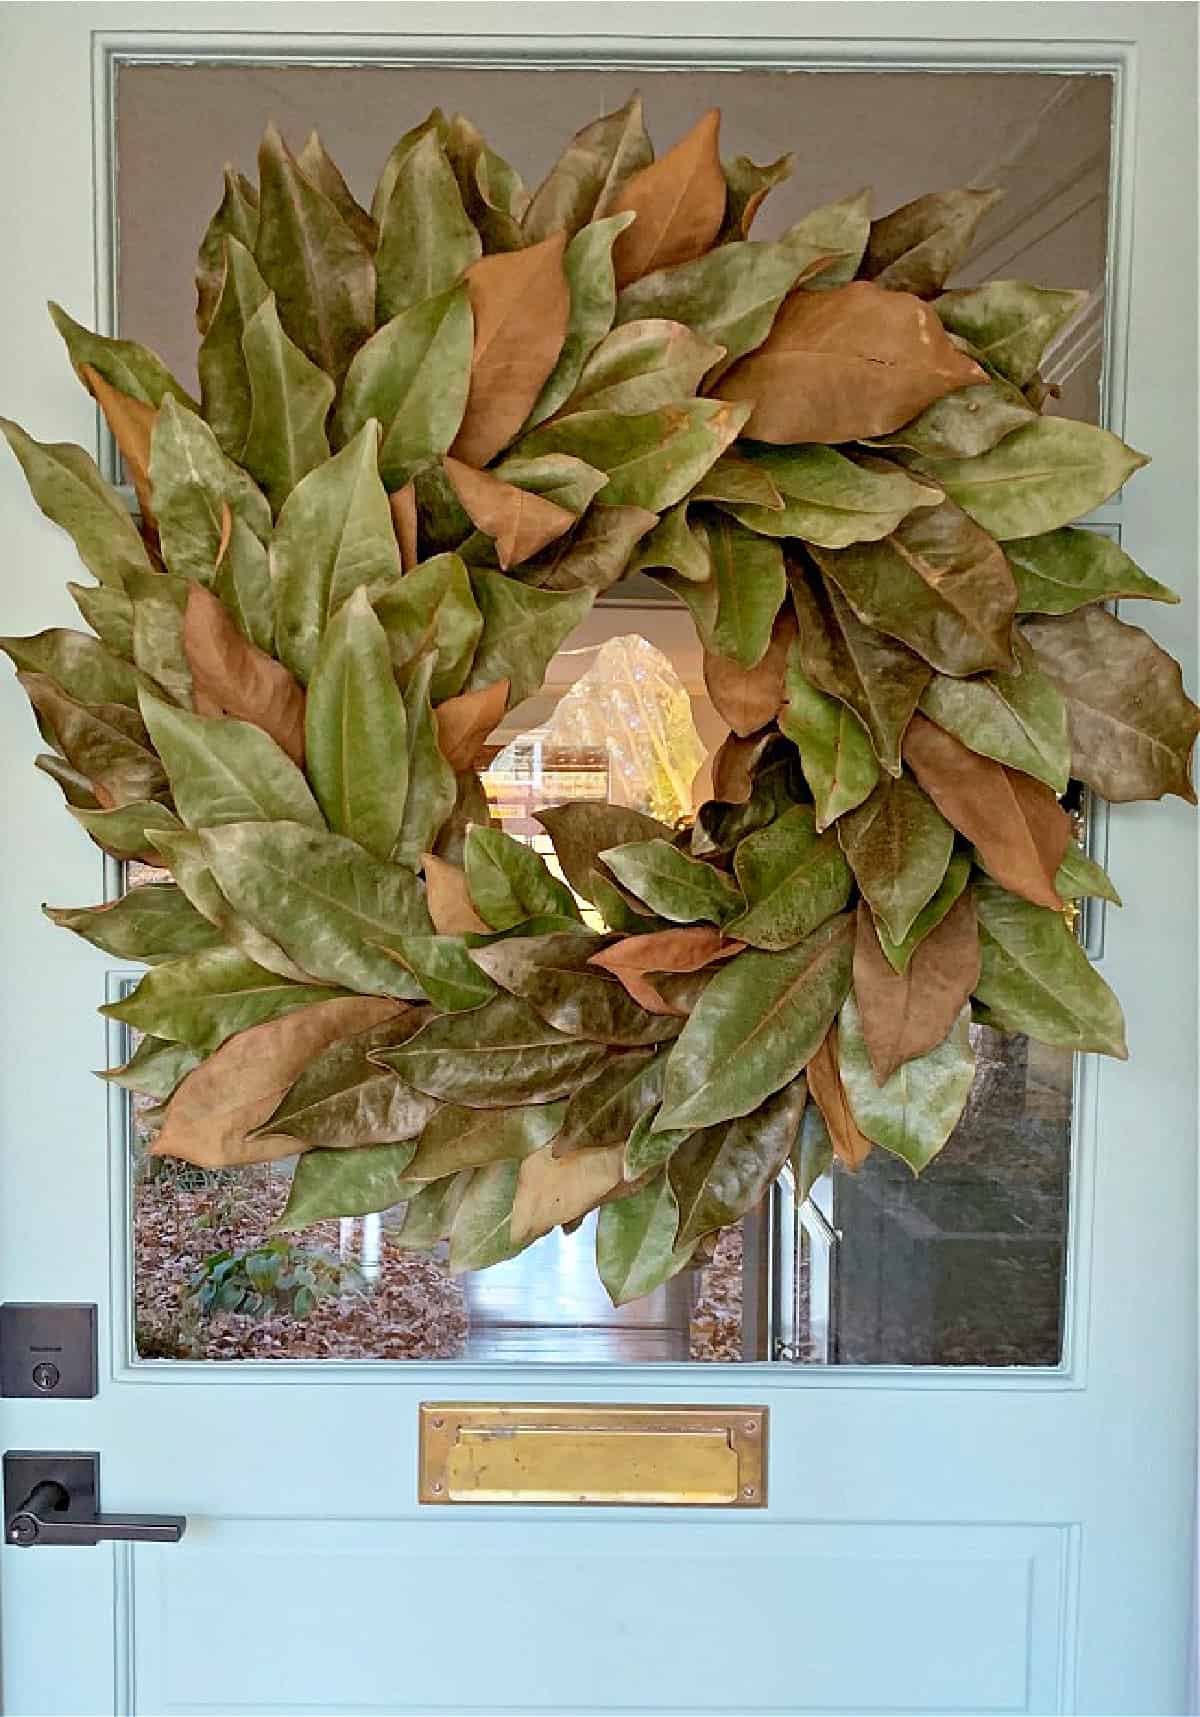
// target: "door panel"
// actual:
[[981, 1539]]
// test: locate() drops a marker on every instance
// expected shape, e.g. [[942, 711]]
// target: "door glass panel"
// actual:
[[963, 1267]]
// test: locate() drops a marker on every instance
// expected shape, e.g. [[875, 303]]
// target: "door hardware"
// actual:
[[52, 1498], [48, 1349]]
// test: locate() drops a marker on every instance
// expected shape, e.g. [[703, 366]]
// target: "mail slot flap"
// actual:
[[679, 1456]]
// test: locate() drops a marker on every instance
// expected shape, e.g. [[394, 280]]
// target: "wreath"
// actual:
[[428, 436]]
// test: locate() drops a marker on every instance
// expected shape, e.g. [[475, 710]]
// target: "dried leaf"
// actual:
[[1132, 725], [723, 1172], [1016, 824], [749, 698], [554, 974], [553, 1190], [125, 365], [449, 899], [963, 424], [842, 365], [132, 424], [520, 303], [520, 521], [905, 1013], [432, 608], [432, 787], [634, 958], [230, 676], [919, 245], [104, 742], [320, 169], [237, 218], [679, 202], [221, 361], [464, 723], [587, 264], [958, 874], [403, 503], [749, 582], [850, 1144], [746, 186], [445, 971], [588, 175], [238, 1087], [341, 1100]]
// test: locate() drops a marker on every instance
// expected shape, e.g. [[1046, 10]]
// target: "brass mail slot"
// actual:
[[702, 1457]]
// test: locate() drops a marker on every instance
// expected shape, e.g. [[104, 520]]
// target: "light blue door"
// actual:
[[1010, 1534]]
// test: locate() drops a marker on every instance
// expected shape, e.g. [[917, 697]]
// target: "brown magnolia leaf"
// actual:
[[464, 722], [226, 535], [1132, 725], [845, 364], [519, 521], [733, 765], [448, 899], [403, 503], [132, 424], [749, 698], [553, 1190], [679, 202], [918, 246], [663, 951], [905, 1013], [1016, 824], [520, 303], [242, 1084], [232, 676], [850, 1144]]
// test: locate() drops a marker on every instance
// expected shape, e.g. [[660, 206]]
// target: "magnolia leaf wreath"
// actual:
[[428, 436]]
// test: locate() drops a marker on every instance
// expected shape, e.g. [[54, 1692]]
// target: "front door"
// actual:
[[978, 1388]]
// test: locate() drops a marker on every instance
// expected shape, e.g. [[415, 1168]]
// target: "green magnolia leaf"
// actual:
[[192, 482], [750, 584], [426, 240], [320, 169], [606, 1109], [552, 971], [356, 750], [643, 365], [80, 664], [647, 1150], [326, 903], [492, 191], [445, 971], [335, 533], [123, 831], [898, 845], [596, 553], [289, 402], [522, 629], [584, 181], [152, 923], [793, 879], [964, 423], [70, 491], [494, 1057], [155, 1068], [1018, 719], [221, 362], [759, 1021], [1132, 725], [109, 613], [938, 583], [913, 1113], [837, 230], [567, 482], [827, 498], [510, 883], [393, 166], [227, 771], [672, 884], [898, 954], [456, 1138], [835, 753], [1009, 322], [431, 1212], [1078, 875], [875, 676], [124, 364], [652, 458], [918, 246], [721, 1173], [719, 826], [679, 545], [744, 480], [344, 1101], [587, 264], [432, 787], [159, 604], [322, 277], [746, 185], [346, 1183], [413, 376], [480, 1234], [237, 219], [1065, 569], [243, 584], [1039, 477], [433, 607], [635, 1241], [582, 829], [183, 854], [104, 742], [812, 1154], [728, 297], [204, 998], [75, 787], [1037, 979]]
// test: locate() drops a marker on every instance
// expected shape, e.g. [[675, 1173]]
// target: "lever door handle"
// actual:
[[58, 1505]]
